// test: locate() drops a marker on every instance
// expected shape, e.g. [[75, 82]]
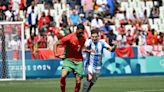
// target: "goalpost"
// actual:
[[12, 51]]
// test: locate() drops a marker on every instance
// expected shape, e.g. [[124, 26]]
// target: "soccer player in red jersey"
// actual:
[[74, 43]]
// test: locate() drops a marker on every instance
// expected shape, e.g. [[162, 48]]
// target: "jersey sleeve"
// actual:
[[87, 42], [106, 45], [65, 39]]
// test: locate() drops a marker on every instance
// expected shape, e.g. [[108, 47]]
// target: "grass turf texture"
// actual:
[[104, 84]]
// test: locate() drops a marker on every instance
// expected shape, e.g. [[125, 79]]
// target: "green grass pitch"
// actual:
[[103, 84]]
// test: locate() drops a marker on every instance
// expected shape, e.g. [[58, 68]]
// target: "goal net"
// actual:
[[12, 51]]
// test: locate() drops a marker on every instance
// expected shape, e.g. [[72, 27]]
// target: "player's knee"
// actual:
[[78, 80], [89, 77], [64, 74]]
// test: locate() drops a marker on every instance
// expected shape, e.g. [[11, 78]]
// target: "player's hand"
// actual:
[[92, 51], [60, 56], [114, 48], [115, 42]]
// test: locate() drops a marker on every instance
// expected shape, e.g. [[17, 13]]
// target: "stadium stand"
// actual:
[[117, 15]]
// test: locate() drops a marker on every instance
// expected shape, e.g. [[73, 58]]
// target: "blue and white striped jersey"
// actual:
[[94, 59]]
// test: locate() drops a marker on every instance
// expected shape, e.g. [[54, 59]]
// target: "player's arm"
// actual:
[[87, 47], [55, 47], [111, 48], [62, 41], [55, 50]]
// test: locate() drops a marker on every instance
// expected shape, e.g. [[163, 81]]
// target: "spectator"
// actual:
[[154, 37], [15, 4], [142, 38], [30, 2], [154, 12], [49, 17], [22, 5], [10, 14], [102, 5], [136, 37], [87, 6], [43, 20], [74, 18], [138, 26], [111, 37], [97, 22], [64, 19], [121, 29], [44, 28], [129, 38], [54, 30], [121, 39], [29, 9], [51, 40], [72, 3], [111, 6], [2, 13], [32, 43], [48, 4], [83, 19], [89, 18], [161, 38], [149, 36], [42, 41], [65, 30], [15, 45], [32, 20]]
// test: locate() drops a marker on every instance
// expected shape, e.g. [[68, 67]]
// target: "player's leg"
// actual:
[[78, 69], [87, 83], [78, 83], [64, 74], [94, 78], [66, 68]]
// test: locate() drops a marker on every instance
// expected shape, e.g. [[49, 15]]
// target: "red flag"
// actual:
[[125, 52]]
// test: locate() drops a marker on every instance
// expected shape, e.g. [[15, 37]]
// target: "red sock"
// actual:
[[77, 87], [62, 84]]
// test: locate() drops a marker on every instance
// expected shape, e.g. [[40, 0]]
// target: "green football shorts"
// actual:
[[73, 66]]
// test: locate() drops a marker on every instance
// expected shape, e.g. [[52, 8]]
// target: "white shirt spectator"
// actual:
[[33, 16], [142, 38], [29, 10], [14, 45], [16, 4], [121, 39], [8, 14], [102, 4], [51, 41], [97, 24]]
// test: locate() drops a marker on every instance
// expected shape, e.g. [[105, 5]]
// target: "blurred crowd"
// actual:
[[116, 24]]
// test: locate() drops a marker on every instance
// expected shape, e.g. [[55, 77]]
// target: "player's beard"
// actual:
[[79, 35]]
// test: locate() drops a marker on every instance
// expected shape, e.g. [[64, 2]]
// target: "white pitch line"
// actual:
[[153, 90]]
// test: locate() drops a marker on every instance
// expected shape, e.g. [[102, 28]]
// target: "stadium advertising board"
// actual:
[[111, 67]]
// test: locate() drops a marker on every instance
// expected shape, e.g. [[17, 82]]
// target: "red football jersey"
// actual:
[[74, 46]]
